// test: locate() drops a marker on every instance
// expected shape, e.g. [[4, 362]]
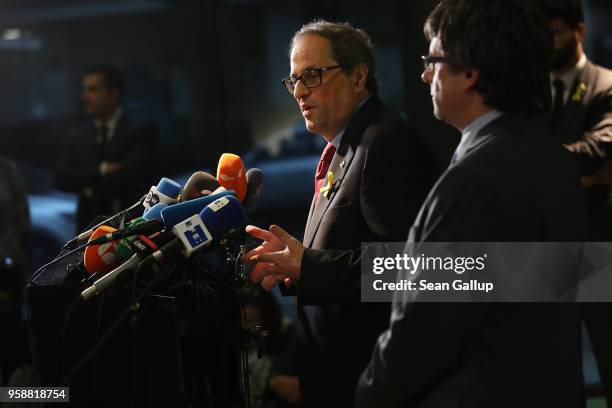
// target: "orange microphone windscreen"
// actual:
[[232, 175], [101, 258]]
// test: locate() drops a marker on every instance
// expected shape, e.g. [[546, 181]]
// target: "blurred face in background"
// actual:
[[99, 101], [568, 44]]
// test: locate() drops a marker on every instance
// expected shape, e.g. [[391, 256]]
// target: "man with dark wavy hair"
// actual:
[[509, 181]]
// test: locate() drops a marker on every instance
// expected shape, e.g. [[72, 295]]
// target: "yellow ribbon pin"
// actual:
[[326, 189], [579, 94]]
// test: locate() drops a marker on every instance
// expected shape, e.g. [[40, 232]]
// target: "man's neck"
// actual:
[[472, 114], [360, 100]]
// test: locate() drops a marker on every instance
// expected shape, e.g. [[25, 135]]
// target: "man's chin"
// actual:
[[311, 127]]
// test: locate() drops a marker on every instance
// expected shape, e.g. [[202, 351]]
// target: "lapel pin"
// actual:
[[327, 188], [579, 94]]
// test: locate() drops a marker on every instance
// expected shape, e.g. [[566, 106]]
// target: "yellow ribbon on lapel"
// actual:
[[579, 94], [326, 189]]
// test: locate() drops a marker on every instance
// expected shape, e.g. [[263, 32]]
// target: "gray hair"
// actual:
[[349, 46]]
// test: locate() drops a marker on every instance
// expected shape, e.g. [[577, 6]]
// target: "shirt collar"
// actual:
[[111, 123], [468, 136], [336, 139]]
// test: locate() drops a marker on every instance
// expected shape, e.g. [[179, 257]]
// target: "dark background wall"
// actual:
[[207, 71]]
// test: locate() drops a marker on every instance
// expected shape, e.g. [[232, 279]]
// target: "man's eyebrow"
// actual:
[[305, 69]]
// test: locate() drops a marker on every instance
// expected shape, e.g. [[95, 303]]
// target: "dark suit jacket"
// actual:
[[586, 124], [133, 144], [382, 172], [517, 184], [587, 121]]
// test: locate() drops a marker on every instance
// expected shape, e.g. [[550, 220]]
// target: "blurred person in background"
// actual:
[[111, 160], [14, 224], [582, 120], [272, 378], [582, 111]]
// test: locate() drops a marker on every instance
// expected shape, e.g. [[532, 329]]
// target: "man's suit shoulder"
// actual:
[[519, 156], [386, 126], [601, 76]]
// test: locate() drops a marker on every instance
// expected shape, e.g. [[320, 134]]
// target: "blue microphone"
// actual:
[[219, 218], [154, 213], [174, 214], [223, 216], [167, 191]]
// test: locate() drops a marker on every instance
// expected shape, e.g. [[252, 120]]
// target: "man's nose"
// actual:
[[426, 76], [300, 90]]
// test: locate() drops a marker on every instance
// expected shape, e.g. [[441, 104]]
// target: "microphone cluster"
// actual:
[[176, 221]]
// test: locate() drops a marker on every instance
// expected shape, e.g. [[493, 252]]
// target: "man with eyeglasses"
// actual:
[[372, 178], [582, 120], [509, 181]]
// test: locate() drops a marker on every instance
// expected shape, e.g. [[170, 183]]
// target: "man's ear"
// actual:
[[471, 76], [580, 33], [360, 76], [115, 95]]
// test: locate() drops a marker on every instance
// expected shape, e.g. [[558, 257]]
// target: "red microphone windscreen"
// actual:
[[101, 258], [232, 175]]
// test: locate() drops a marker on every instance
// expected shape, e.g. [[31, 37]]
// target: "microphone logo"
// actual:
[[107, 254], [225, 177], [196, 235], [151, 199], [193, 234]]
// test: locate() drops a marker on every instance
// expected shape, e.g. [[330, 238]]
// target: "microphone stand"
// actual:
[[133, 307]]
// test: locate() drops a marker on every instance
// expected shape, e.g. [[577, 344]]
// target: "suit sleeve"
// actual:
[[397, 174], [596, 140]]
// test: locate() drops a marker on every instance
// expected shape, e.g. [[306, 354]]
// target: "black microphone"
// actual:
[[255, 181], [200, 183], [129, 213]]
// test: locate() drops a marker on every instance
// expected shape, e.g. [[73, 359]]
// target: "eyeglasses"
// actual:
[[311, 78], [429, 60]]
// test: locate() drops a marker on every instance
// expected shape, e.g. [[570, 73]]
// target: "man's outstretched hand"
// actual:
[[277, 259]]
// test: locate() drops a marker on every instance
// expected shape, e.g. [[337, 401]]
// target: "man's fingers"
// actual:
[[258, 233], [253, 252], [284, 236], [270, 281], [270, 257], [260, 271]]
